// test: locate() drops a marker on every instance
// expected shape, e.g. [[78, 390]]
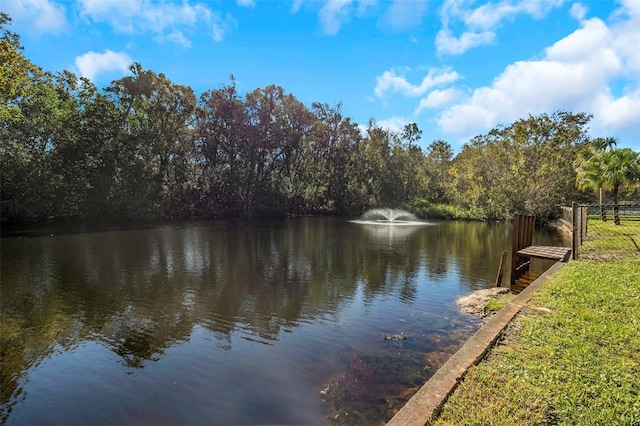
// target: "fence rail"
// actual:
[[596, 239]]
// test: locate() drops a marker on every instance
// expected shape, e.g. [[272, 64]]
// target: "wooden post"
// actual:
[[522, 237], [578, 226], [585, 222], [501, 269], [575, 231]]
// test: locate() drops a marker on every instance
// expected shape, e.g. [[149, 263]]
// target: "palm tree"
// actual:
[[589, 175], [619, 168]]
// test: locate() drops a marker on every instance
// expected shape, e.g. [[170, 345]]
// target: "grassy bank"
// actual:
[[605, 241], [571, 357]]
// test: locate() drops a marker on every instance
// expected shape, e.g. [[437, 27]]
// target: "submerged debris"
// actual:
[[400, 336], [354, 397]]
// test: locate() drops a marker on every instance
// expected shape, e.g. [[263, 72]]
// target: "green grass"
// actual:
[[499, 302], [571, 357], [606, 241]]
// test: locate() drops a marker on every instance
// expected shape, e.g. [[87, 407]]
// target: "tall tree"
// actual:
[[439, 157], [611, 169], [524, 167], [334, 144], [158, 116], [297, 124], [221, 128], [14, 72], [268, 149], [588, 173], [411, 133], [410, 164], [29, 183], [381, 172]]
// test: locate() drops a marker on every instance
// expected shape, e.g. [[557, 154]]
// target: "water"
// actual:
[[277, 322], [386, 215]]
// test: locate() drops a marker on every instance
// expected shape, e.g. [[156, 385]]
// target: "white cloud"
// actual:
[[176, 37], [393, 124], [448, 44], [404, 14], [364, 5], [481, 23], [218, 32], [221, 26], [575, 74], [246, 3], [625, 33], [579, 11], [623, 112], [295, 6], [91, 64], [39, 16], [332, 14], [438, 98], [465, 120], [591, 38], [391, 82], [491, 15], [140, 16]]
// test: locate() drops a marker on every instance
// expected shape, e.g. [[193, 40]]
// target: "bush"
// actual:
[[426, 210]]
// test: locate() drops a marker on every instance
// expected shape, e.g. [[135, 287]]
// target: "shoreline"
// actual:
[[427, 402]]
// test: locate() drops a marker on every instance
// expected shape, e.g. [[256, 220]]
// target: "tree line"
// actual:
[[146, 147]]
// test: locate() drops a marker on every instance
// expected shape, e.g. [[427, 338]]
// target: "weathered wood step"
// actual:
[[546, 252]]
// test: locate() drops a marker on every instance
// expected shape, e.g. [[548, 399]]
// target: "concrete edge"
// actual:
[[430, 398]]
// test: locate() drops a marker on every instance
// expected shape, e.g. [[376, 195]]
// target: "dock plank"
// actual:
[[546, 252]]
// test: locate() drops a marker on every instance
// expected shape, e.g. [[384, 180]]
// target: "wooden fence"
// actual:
[[577, 217]]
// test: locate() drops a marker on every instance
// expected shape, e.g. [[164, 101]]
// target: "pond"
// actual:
[[234, 322]]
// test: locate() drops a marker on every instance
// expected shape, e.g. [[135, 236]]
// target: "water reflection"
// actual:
[[384, 234], [232, 311]]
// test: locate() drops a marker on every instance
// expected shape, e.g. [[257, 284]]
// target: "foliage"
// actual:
[[600, 166], [588, 176], [146, 147], [14, 72], [620, 168], [424, 209], [521, 168], [440, 157]]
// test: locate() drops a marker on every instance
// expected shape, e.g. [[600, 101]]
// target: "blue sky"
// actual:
[[457, 68]]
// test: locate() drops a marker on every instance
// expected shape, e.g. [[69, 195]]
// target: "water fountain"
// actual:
[[386, 225], [388, 216]]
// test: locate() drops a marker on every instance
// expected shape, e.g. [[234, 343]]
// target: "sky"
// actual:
[[456, 68]]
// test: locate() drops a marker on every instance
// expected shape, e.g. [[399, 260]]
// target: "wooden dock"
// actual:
[[523, 251], [546, 252], [560, 254]]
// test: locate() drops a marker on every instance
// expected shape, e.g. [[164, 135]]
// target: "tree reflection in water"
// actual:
[[296, 301]]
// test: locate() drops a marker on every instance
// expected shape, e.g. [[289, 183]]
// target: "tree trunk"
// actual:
[[603, 213], [616, 216]]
